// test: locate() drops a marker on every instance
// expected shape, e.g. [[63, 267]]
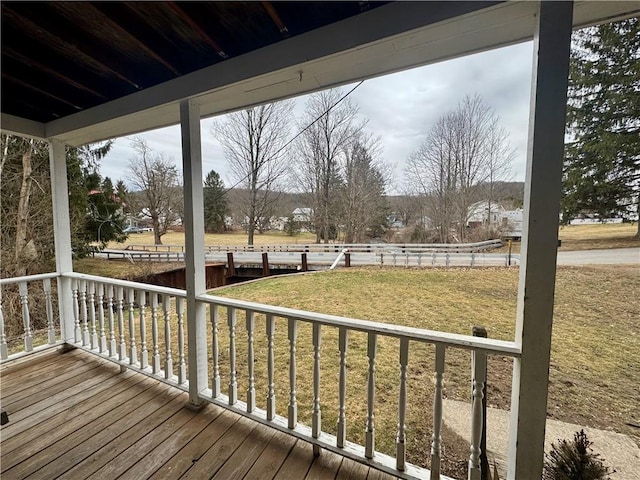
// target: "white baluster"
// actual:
[[77, 335], [4, 350], [251, 391], [155, 363], [122, 350], [26, 317], [436, 439], [479, 367], [401, 448], [433, 259], [91, 290], [103, 333], [82, 285], [144, 353], [133, 350], [316, 414], [51, 328], [110, 322], [370, 432], [271, 392], [233, 383], [215, 377], [343, 340], [182, 367], [168, 360], [293, 402]]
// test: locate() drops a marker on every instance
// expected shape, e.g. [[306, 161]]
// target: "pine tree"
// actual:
[[602, 165], [215, 203]]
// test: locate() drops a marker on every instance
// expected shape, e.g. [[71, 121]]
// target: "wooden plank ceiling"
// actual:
[[59, 58]]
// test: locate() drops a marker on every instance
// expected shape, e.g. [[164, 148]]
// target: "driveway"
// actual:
[[613, 256]]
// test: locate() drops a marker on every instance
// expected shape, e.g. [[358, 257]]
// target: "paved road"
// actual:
[[614, 256]]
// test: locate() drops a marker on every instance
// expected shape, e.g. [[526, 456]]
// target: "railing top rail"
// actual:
[[28, 278], [422, 335], [175, 292]]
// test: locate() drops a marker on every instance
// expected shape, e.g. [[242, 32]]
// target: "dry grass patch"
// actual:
[[229, 238], [590, 237], [122, 269]]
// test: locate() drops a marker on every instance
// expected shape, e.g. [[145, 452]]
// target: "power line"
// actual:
[[317, 119]]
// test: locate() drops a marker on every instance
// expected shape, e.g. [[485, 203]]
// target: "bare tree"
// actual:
[[254, 143], [465, 148], [500, 156], [157, 182], [363, 206], [321, 147]]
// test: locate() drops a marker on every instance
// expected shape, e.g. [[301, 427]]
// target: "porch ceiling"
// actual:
[[85, 71]]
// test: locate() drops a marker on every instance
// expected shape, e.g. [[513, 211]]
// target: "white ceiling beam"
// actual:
[[11, 124], [375, 43]]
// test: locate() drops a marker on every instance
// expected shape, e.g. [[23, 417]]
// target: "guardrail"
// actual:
[[333, 247], [388, 258]]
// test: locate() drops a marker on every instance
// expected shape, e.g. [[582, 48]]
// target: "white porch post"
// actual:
[[194, 247], [540, 239], [62, 235]]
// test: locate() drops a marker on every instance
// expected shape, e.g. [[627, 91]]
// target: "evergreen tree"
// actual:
[[602, 165], [215, 203]]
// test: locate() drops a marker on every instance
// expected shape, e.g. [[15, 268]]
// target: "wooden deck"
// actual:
[[75, 416]]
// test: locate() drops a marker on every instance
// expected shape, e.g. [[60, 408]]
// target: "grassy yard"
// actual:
[[230, 238], [595, 352], [586, 237], [589, 237]]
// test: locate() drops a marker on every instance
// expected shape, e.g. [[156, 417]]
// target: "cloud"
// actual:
[[401, 108]]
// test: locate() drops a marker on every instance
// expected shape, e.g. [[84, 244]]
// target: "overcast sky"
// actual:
[[401, 109]]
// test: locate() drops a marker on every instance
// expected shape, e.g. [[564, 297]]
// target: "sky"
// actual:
[[401, 108]]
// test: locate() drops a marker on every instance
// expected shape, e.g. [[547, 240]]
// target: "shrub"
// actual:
[[574, 460]]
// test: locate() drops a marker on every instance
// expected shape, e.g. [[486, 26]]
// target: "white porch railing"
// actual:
[[36, 309], [143, 327]]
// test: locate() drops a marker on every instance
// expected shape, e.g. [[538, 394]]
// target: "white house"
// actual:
[[479, 213]]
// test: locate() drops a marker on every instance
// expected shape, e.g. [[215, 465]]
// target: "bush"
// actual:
[[574, 460]]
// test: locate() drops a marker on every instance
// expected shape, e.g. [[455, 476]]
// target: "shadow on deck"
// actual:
[[75, 416]]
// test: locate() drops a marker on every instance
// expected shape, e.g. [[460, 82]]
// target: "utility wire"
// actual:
[[318, 118]]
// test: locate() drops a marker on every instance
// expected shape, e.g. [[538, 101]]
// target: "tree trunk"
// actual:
[[156, 229], [638, 213], [23, 212]]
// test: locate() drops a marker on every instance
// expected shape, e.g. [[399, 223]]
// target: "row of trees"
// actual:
[[465, 149], [338, 165], [333, 160], [461, 159]]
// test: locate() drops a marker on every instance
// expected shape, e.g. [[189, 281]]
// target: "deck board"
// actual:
[[76, 416]]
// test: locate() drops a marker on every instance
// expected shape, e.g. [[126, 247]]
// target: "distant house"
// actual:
[[303, 214], [394, 220], [479, 214], [511, 223]]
